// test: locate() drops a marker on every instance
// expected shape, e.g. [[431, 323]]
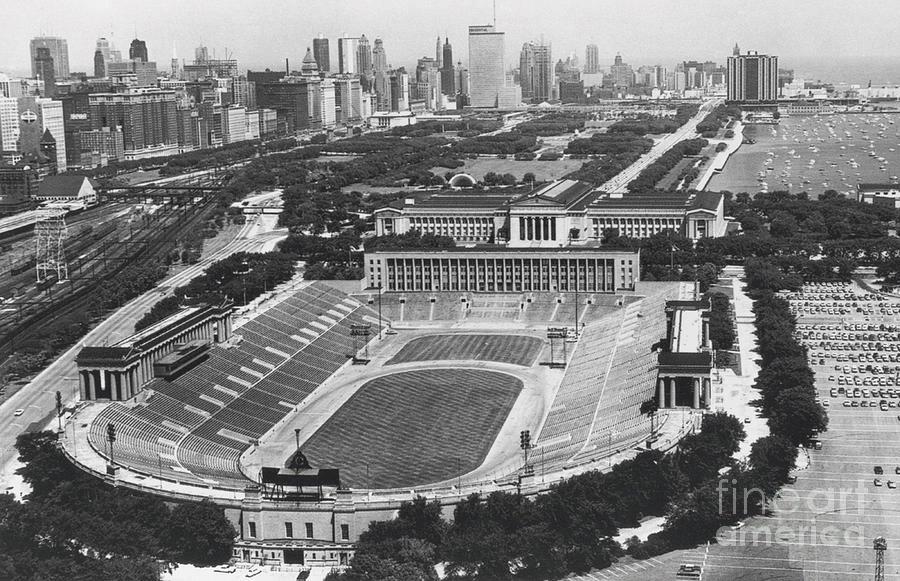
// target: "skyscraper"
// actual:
[[487, 74], [536, 72], [44, 62], [752, 78], [448, 84], [347, 49], [439, 54], [622, 74], [364, 56], [379, 57], [201, 55], [99, 64], [59, 52], [138, 50], [321, 53], [592, 59]]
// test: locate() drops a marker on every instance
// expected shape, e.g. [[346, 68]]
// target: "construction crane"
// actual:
[[880, 546]]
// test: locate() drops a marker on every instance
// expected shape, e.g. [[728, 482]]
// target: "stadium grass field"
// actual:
[[515, 349], [413, 428]]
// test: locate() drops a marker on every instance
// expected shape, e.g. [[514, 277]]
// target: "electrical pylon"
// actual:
[[49, 235]]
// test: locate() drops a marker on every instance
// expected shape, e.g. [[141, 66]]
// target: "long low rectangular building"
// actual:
[[560, 214], [493, 268]]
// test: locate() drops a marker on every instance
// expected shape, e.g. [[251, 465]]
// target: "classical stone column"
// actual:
[[696, 382], [661, 392], [672, 391]]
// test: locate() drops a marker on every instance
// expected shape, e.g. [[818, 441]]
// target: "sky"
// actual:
[[261, 33]]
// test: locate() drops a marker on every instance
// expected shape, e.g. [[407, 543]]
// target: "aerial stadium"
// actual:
[[325, 405]]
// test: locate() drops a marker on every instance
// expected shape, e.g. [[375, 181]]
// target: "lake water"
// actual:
[[814, 154]]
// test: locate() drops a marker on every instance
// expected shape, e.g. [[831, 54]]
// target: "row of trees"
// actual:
[[645, 124], [785, 381], [557, 123], [73, 527], [656, 171], [709, 126], [240, 277]]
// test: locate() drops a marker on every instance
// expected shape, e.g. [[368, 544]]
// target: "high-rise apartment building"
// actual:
[[348, 48], [45, 67], [536, 72], [321, 53], [592, 59], [138, 51], [146, 117], [59, 52], [329, 105], [752, 78], [487, 74]]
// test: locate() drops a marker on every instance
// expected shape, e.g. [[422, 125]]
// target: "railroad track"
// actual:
[[147, 244]]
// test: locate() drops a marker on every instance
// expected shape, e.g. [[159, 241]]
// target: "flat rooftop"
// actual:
[[687, 332]]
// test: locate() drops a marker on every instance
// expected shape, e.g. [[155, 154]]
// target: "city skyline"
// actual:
[[803, 31]]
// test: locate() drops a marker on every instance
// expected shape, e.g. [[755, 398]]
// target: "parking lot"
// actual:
[[848, 494]]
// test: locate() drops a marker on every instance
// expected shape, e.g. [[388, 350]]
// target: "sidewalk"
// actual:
[[733, 393]]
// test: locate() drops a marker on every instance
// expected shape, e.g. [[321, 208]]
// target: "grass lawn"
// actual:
[[515, 349], [414, 428]]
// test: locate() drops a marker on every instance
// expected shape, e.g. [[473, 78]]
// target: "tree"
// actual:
[[199, 533], [528, 178], [797, 416], [771, 460]]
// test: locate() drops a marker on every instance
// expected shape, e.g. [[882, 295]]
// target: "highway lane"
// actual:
[[37, 398], [686, 131]]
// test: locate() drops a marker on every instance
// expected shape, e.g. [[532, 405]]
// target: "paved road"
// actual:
[[686, 131], [38, 397]]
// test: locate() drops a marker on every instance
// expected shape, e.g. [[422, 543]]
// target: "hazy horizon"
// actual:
[[801, 32]]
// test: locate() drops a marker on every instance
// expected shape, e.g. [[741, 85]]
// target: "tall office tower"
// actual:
[[104, 47], [309, 67], [9, 123], [438, 53], [487, 74], [382, 84], [536, 72], [448, 84], [379, 57], [329, 105], [244, 92], [364, 56], [622, 74], [347, 49], [59, 52], [138, 51], [51, 114], [752, 78], [44, 63], [428, 83], [461, 78], [201, 54], [592, 59], [99, 64], [321, 53]]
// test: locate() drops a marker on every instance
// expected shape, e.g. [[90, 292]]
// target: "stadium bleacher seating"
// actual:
[[612, 371], [193, 429]]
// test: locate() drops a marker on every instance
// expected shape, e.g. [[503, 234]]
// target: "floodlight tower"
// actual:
[[880, 546]]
